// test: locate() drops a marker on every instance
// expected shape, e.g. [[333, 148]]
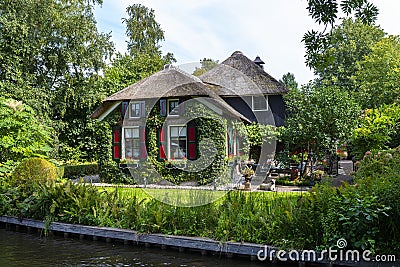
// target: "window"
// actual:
[[135, 110], [132, 143], [259, 103], [172, 104], [177, 142]]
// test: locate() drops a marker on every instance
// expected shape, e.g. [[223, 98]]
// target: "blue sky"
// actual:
[[271, 29]]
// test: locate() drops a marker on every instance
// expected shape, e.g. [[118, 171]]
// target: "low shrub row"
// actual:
[[80, 170]]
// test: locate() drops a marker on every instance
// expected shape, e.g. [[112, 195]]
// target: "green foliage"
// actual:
[[259, 134], [34, 170], [143, 31], [22, 134], [6, 168], [325, 12], [47, 48], [318, 117], [79, 170], [348, 44], [289, 81], [309, 220], [378, 75], [206, 65], [378, 175], [378, 129]]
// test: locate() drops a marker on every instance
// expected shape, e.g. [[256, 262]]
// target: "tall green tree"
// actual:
[[320, 117], [206, 65], [349, 43], [325, 13], [144, 32], [289, 81], [48, 49], [378, 75]]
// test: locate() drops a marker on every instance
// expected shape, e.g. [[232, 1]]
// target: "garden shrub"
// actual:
[[34, 170], [7, 168], [79, 170], [378, 176]]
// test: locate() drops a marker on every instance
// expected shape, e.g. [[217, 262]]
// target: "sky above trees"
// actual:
[[214, 29]]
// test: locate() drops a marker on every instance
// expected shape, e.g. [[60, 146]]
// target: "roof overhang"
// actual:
[[105, 109]]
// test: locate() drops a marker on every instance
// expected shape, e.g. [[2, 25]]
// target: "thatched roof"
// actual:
[[238, 75], [170, 82]]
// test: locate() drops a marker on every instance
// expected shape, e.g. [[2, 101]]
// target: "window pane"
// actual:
[[177, 142], [135, 109], [182, 131], [132, 143], [135, 132], [174, 131], [259, 103], [171, 105], [128, 133]]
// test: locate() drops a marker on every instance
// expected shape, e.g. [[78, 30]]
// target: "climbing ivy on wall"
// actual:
[[210, 128]]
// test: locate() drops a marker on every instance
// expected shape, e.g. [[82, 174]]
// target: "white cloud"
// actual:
[[216, 28]]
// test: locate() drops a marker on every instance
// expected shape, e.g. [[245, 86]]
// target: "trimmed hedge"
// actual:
[[79, 170], [33, 170]]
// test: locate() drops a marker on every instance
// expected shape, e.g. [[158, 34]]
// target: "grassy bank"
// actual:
[[366, 215]]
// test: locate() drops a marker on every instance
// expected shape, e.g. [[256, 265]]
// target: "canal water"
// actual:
[[23, 249]]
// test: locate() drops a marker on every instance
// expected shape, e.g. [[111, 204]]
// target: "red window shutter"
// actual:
[[192, 151], [192, 134], [162, 143], [142, 135], [116, 143]]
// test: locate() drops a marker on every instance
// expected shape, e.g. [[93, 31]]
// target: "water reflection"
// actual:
[[22, 249]]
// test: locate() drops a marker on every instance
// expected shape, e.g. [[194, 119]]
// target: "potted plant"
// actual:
[[247, 174]]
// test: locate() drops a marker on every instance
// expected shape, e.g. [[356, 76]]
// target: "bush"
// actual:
[[378, 175], [7, 168], [79, 170], [34, 170]]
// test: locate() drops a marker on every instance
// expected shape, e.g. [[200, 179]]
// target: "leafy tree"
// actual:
[[48, 49], [325, 13], [289, 81], [378, 129], [144, 32], [378, 77], [51, 55], [206, 65], [22, 134], [349, 43], [319, 118]]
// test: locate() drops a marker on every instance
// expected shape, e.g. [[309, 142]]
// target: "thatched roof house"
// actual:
[[171, 82], [238, 87]]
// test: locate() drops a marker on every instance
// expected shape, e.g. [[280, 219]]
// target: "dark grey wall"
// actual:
[[278, 109], [275, 103]]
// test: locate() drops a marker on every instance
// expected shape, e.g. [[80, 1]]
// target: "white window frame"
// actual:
[[130, 109], [252, 103], [169, 140], [123, 146], [168, 110]]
